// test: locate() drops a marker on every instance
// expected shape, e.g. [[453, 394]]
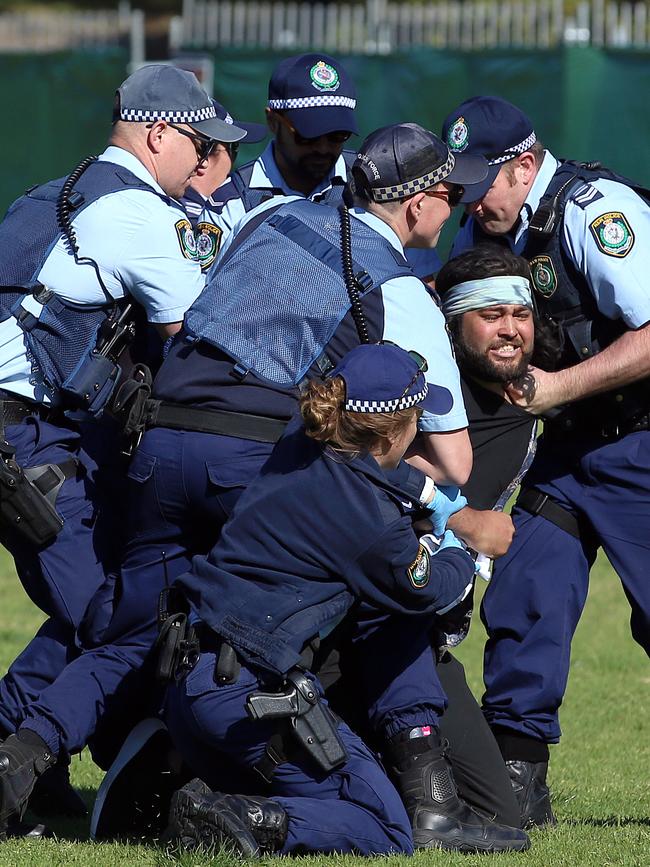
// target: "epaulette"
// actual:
[[585, 195]]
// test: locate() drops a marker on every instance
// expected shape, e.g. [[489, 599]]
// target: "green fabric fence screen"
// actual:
[[586, 103]]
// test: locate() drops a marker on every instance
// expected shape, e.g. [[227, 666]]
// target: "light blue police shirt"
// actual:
[[140, 244], [413, 320], [606, 234]]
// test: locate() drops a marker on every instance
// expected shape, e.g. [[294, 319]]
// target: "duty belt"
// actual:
[[610, 430], [233, 424]]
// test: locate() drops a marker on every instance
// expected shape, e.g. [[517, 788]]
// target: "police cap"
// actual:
[[492, 127], [397, 161]]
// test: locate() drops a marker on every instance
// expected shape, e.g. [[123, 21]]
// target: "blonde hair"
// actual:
[[326, 420]]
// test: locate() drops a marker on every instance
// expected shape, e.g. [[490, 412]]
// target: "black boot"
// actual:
[[54, 794], [23, 757], [529, 785], [252, 826], [440, 819]]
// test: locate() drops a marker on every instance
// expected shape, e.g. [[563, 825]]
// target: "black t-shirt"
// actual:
[[500, 434]]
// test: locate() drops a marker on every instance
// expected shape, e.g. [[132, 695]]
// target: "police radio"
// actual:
[[91, 384]]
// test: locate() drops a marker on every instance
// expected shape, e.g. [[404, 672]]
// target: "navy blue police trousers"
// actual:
[[352, 809], [181, 488], [537, 593], [62, 576]]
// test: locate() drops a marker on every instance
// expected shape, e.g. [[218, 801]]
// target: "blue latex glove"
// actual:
[[447, 540], [447, 500]]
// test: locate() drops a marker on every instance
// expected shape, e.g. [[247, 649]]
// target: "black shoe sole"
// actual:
[[194, 825], [423, 841]]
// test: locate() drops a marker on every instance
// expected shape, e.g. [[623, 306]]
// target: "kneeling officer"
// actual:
[[323, 527]]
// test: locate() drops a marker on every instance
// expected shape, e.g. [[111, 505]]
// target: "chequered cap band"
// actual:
[[403, 402], [140, 114], [512, 152], [409, 188], [312, 102]]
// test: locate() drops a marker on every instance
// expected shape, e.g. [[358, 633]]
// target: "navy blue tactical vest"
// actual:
[[251, 198], [563, 295], [62, 333], [278, 295]]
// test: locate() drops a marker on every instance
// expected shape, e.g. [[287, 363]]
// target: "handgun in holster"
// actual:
[[27, 496], [310, 722], [177, 646]]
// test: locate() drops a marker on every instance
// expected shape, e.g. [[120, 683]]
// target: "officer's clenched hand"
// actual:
[[485, 531]]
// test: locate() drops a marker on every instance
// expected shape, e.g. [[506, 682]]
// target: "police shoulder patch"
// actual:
[[544, 276], [613, 234], [420, 569], [186, 238], [208, 242]]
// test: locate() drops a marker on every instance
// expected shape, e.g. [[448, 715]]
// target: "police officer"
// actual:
[[311, 115], [209, 176], [217, 413], [354, 542], [585, 231], [75, 253]]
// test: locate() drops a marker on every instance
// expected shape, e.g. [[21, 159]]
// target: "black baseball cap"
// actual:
[[315, 93], [492, 127], [403, 159], [159, 91]]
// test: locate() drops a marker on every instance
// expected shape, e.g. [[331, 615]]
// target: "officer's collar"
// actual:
[[379, 226], [267, 176], [127, 160], [534, 197]]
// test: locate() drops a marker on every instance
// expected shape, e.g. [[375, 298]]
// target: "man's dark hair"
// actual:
[[484, 260], [495, 260]]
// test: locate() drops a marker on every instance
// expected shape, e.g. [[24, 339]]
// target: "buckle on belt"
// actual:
[[536, 507]]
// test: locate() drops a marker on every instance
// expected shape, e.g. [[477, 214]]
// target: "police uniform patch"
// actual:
[[324, 77], [208, 242], [186, 238], [458, 135], [420, 569], [612, 234], [544, 276]]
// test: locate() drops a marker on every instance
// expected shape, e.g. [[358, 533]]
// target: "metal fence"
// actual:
[[55, 30], [379, 26]]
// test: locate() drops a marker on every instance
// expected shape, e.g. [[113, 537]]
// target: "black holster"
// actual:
[[27, 497], [309, 722], [177, 646], [129, 405]]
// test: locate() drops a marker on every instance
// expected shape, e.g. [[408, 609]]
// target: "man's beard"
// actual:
[[316, 167], [479, 366]]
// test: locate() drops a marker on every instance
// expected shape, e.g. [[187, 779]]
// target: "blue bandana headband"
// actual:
[[488, 292]]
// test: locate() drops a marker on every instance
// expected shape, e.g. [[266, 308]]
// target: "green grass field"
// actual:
[[600, 774]]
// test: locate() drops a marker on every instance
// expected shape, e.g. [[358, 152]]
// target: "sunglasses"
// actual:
[[204, 146], [452, 196], [232, 149], [337, 138]]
